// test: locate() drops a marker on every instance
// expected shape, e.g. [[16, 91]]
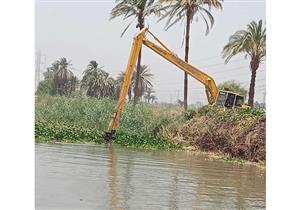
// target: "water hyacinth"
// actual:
[[84, 119]]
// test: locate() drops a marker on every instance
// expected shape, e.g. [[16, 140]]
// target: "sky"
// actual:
[[81, 31]]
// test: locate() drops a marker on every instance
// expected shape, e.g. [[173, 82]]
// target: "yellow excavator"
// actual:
[[214, 95]]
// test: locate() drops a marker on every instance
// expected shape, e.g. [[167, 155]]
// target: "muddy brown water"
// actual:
[[114, 177]]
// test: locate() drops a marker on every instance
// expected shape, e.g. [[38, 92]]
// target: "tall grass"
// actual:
[[86, 119]]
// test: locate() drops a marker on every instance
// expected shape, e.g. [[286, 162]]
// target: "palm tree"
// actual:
[[144, 82], [188, 10], [73, 84], [251, 42], [49, 74], [153, 98], [148, 94], [62, 75], [97, 81], [138, 10], [88, 81]]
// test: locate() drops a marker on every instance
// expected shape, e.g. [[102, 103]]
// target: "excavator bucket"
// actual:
[[109, 136]]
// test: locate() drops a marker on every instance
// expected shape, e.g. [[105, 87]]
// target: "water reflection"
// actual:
[[115, 199], [111, 177]]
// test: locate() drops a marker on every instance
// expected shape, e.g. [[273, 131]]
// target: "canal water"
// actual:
[[114, 177]]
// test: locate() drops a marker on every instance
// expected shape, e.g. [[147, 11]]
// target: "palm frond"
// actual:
[[251, 41]]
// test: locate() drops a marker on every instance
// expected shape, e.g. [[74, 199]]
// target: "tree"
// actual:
[[73, 84], [148, 95], [97, 82], [89, 80], [233, 86], [62, 76], [58, 79], [153, 99], [252, 43], [46, 86], [49, 74], [138, 10], [188, 10], [144, 82]]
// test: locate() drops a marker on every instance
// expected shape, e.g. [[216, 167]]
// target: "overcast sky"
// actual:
[[81, 32]]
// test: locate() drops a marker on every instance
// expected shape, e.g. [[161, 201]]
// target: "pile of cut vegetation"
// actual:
[[239, 133]]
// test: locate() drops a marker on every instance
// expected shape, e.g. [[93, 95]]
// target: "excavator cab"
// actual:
[[229, 99]]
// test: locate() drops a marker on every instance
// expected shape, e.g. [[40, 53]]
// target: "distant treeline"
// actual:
[[96, 82]]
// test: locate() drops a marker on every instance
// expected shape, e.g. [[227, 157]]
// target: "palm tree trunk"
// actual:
[[137, 80], [129, 93], [138, 68], [254, 66], [186, 57]]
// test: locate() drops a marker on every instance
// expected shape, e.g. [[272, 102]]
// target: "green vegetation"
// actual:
[[238, 133], [82, 119], [58, 79], [233, 86], [97, 83]]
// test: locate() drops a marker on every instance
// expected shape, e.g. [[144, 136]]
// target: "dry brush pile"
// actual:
[[239, 133]]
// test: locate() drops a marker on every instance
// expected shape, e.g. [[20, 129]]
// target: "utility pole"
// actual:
[[39, 60], [264, 100]]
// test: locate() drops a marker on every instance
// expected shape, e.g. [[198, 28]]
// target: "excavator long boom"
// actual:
[[209, 83]]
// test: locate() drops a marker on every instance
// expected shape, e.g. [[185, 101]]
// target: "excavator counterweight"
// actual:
[[214, 95]]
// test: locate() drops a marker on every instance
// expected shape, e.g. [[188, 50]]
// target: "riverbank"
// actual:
[[235, 133], [238, 133]]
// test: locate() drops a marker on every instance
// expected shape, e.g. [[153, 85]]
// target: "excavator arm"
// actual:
[[116, 115], [209, 83]]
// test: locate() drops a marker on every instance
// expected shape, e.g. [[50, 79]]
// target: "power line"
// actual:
[[204, 66], [192, 90], [193, 82]]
